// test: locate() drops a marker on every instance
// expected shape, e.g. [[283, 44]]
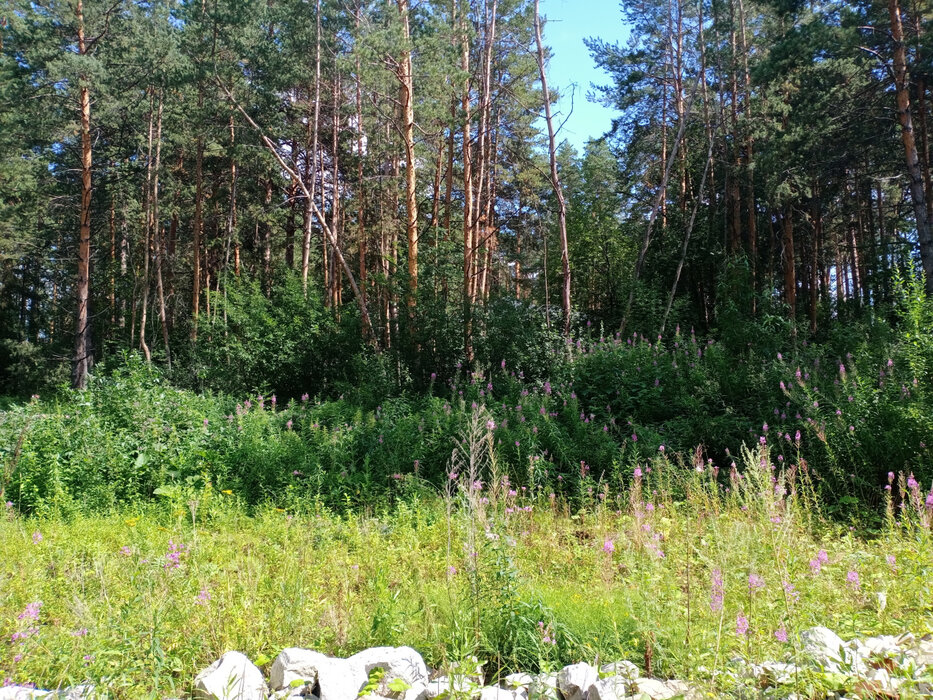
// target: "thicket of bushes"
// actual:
[[850, 409]]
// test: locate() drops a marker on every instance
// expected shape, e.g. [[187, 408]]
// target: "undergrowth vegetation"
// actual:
[[681, 569], [674, 500]]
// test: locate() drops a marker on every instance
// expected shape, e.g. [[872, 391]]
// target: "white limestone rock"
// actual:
[[231, 677], [294, 664], [611, 688], [654, 689], [626, 669], [518, 680], [21, 692], [397, 662], [574, 681], [544, 687], [823, 646], [493, 692]]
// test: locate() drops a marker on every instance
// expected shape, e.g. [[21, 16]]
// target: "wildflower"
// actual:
[[37, 537], [451, 571], [911, 484], [661, 449], [173, 556], [205, 422], [634, 437], [304, 398], [31, 612], [852, 579], [490, 425], [203, 598], [609, 547], [80, 633], [890, 477], [781, 633], [288, 424], [892, 561], [822, 556], [755, 583], [789, 591], [741, 625], [718, 592], [638, 472], [453, 476], [88, 658]]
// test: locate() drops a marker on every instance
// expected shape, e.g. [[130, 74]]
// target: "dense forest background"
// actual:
[[270, 195]]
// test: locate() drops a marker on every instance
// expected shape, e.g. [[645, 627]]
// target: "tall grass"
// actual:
[[683, 568]]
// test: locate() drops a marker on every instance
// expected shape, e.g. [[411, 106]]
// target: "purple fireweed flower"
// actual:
[[741, 625], [822, 556], [634, 437], [718, 592], [638, 472], [37, 537], [781, 633], [203, 598], [609, 546], [126, 551], [892, 561], [31, 612], [789, 591], [755, 583], [911, 484], [890, 477], [80, 633], [852, 580], [490, 425]]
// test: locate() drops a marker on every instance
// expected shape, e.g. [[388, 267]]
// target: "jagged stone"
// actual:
[[231, 677], [22, 692], [518, 680], [626, 669], [544, 687], [397, 662], [654, 689], [574, 681], [823, 646], [612, 688]]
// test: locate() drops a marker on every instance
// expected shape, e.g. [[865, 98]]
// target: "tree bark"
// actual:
[[84, 353], [790, 276], [467, 202], [406, 98], [555, 178], [917, 194]]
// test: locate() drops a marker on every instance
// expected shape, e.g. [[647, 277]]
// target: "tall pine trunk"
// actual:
[[84, 353], [917, 194]]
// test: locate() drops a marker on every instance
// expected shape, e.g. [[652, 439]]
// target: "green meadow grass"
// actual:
[[139, 600]]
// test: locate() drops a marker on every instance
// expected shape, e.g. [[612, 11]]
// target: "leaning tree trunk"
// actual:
[[555, 178]]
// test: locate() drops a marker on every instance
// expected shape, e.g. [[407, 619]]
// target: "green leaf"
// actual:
[[398, 685]]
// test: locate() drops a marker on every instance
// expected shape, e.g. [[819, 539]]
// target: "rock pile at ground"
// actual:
[[886, 667]]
